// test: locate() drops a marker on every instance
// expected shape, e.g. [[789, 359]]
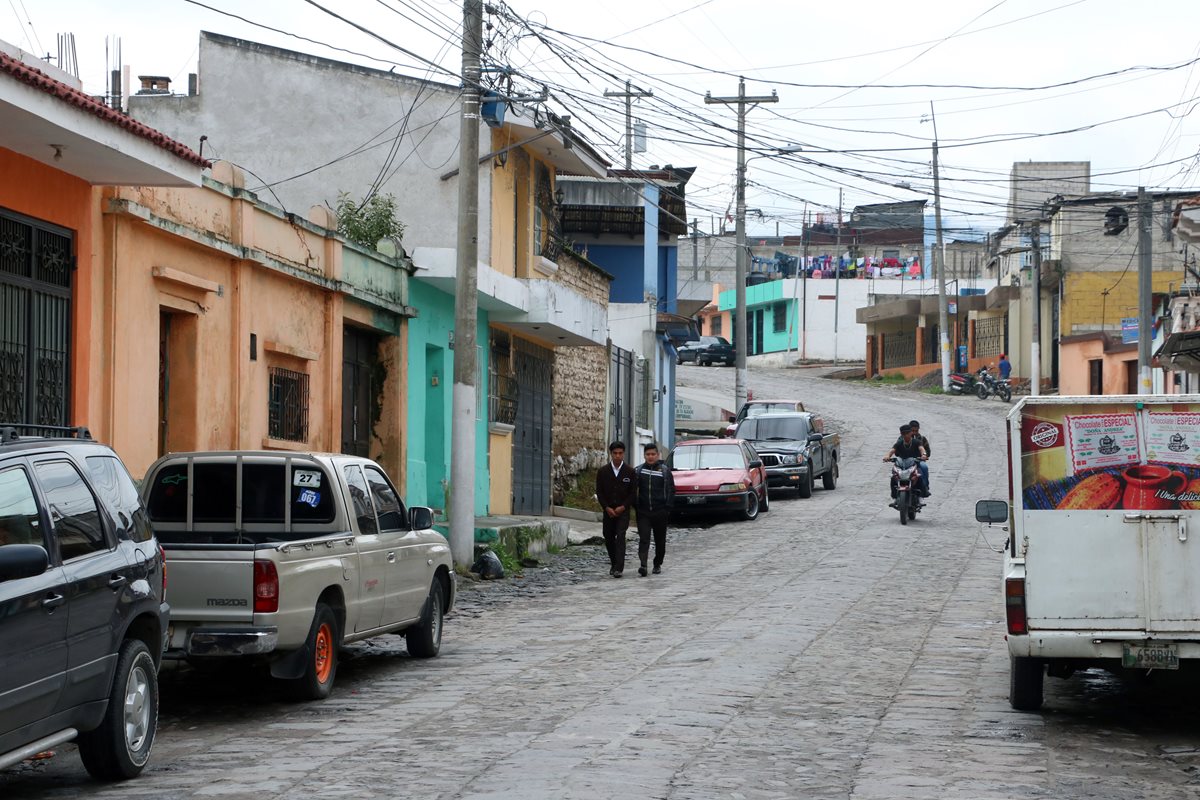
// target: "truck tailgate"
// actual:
[[209, 583]]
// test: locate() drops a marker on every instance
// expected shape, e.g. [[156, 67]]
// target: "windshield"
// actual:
[[906, 463], [708, 456], [777, 428], [762, 409]]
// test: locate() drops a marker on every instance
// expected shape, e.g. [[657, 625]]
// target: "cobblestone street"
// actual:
[[822, 651]]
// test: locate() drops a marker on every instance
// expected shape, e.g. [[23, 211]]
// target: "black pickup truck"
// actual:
[[794, 449], [708, 350]]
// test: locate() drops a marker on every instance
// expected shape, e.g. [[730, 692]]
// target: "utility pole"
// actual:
[[804, 292], [629, 94], [695, 250], [837, 279], [1035, 347], [739, 324], [466, 304], [1145, 290], [939, 262]]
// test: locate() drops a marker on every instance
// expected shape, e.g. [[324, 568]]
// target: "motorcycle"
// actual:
[[962, 383], [906, 481], [988, 385]]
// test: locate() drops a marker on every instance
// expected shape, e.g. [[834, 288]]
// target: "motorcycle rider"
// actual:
[[907, 447], [924, 465]]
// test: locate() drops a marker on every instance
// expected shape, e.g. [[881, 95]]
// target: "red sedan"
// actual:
[[719, 475]]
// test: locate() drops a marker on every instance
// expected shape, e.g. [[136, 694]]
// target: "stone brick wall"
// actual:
[[580, 387]]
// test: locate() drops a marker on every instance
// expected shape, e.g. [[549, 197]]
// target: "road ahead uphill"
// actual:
[[821, 651]]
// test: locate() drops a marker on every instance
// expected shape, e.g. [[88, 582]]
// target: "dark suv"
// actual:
[[82, 604]]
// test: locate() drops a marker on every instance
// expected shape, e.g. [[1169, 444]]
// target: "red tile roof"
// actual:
[[20, 71]]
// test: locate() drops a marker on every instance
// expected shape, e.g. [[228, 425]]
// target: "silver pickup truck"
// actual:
[[287, 556]]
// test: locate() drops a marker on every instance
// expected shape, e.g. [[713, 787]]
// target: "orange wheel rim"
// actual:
[[323, 653]]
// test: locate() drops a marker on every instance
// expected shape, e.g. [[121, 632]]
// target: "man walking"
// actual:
[[616, 489], [1005, 367], [656, 494]]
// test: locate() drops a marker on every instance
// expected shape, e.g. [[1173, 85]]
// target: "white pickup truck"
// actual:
[[1102, 565], [287, 556]]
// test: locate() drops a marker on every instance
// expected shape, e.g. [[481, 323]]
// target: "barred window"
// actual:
[[716, 325], [287, 405], [539, 230], [780, 312]]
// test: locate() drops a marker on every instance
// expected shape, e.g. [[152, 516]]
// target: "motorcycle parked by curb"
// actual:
[[962, 383], [989, 385], [906, 483]]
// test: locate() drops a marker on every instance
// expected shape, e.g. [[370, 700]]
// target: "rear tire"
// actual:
[[829, 479], [321, 649], [902, 504], [1025, 684], [750, 513], [806, 483], [424, 640], [120, 747]]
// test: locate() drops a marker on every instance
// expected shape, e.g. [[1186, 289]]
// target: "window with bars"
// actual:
[[779, 312], [716, 325], [287, 405]]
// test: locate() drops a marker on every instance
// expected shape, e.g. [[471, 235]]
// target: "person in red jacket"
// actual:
[[616, 489]]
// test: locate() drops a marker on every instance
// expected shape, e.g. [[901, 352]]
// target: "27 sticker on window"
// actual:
[[306, 477]]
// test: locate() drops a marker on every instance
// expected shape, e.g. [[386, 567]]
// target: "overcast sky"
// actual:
[[680, 49]]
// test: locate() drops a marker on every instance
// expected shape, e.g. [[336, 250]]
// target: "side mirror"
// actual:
[[991, 511], [420, 518], [756, 463], [733, 420], [815, 438], [22, 561]]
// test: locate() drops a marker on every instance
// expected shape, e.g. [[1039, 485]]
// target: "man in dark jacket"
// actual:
[[616, 490], [656, 494]]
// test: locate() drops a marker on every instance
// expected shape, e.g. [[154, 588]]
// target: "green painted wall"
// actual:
[[429, 406], [761, 300]]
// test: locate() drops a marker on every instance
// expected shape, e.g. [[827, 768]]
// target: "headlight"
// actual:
[[732, 487], [789, 459]]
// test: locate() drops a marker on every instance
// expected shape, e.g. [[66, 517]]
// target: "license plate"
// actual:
[[1151, 656], [696, 500]]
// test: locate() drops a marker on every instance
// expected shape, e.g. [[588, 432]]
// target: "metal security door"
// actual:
[[531, 434], [36, 261], [359, 358], [621, 389]]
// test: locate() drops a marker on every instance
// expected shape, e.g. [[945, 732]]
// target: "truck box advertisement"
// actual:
[[1103, 457]]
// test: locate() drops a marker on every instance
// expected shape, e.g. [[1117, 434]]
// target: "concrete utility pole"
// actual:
[[466, 304], [804, 292], [1035, 347], [629, 94], [1145, 290], [939, 261], [739, 324], [837, 279]]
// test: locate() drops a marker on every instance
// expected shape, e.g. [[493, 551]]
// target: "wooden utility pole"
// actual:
[[739, 323], [466, 304], [629, 94], [940, 264]]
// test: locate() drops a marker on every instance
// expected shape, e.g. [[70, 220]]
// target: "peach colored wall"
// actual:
[[31, 188], [503, 210], [216, 300], [1073, 370]]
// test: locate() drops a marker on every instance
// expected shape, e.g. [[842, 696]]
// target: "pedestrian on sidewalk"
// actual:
[[616, 490], [655, 496]]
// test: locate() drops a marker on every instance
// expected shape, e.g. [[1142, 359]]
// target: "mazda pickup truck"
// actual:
[[284, 557]]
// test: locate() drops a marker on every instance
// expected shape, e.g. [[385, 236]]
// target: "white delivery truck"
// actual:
[[1102, 564]]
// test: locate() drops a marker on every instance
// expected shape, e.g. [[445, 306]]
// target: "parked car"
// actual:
[[719, 475], [757, 408], [686, 352], [82, 590], [715, 350], [794, 448], [285, 557]]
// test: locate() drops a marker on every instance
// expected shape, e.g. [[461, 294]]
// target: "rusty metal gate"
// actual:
[[36, 262], [534, 367]]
